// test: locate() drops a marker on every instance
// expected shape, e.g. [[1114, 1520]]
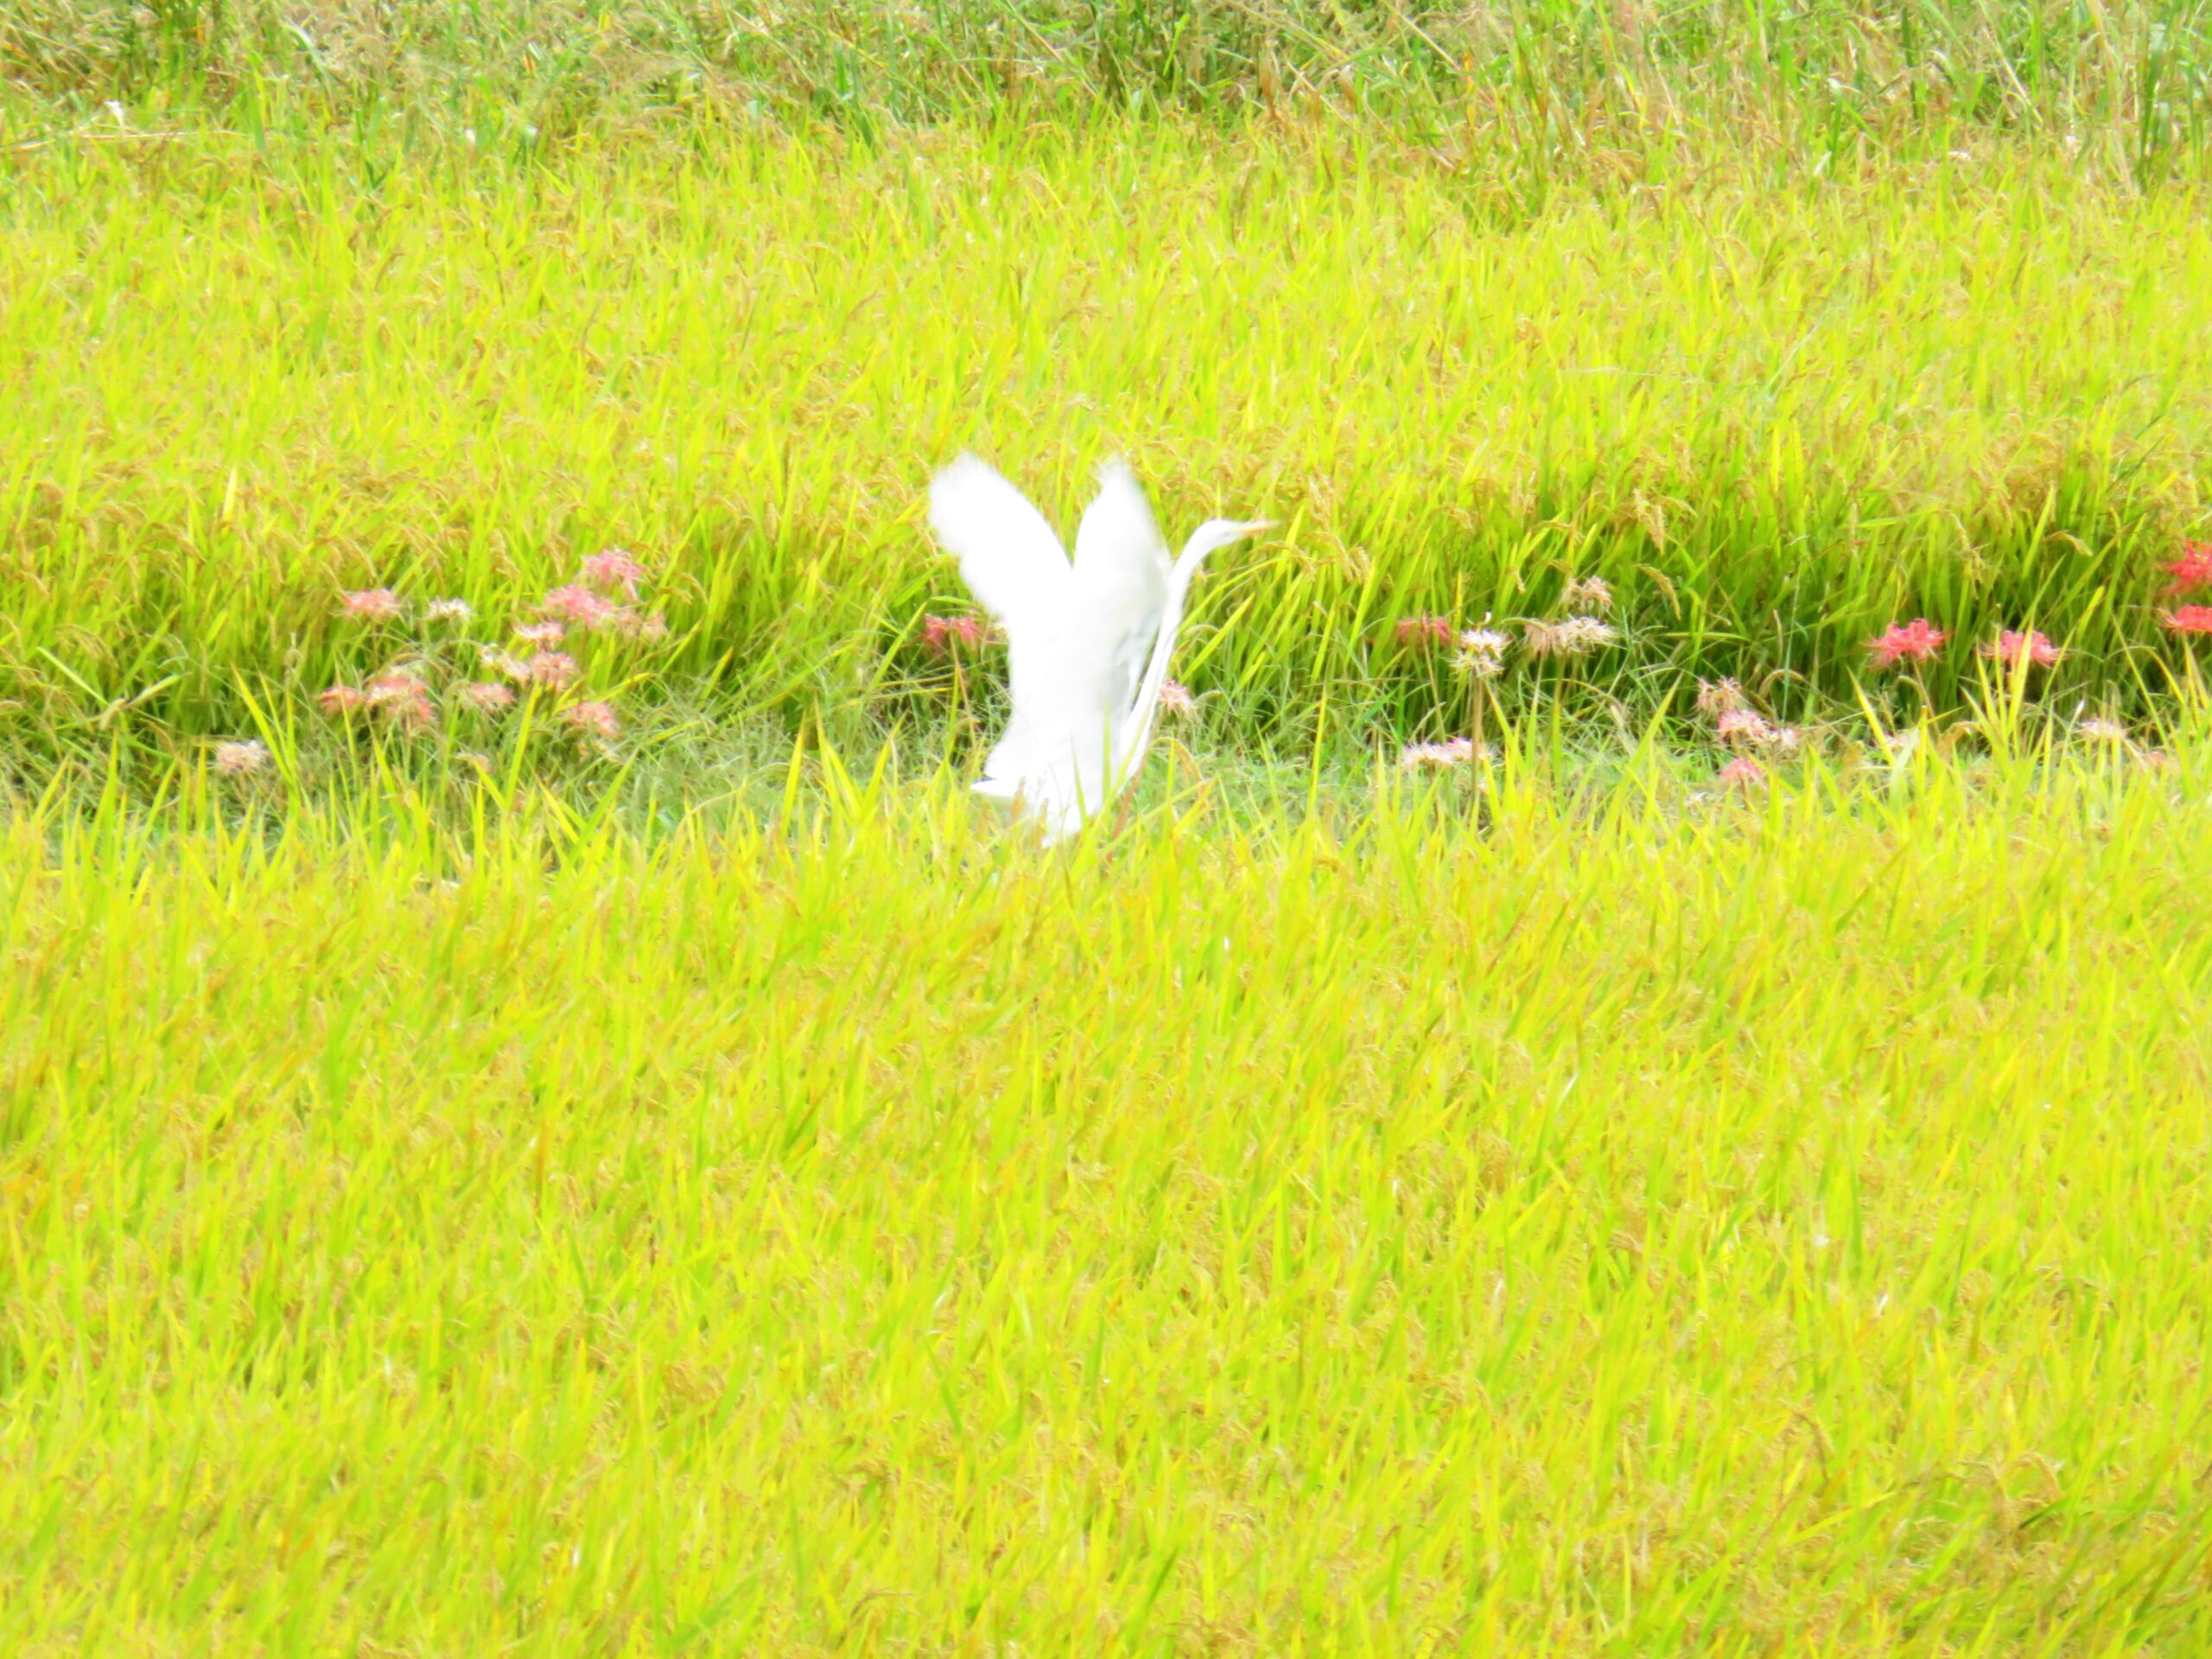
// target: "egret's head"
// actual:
[[1217, 533]]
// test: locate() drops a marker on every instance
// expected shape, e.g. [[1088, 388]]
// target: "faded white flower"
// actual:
[[1453, 752], [1742, 726], [1591, 593], [1719, 696], [1572, 636], [240, 759]]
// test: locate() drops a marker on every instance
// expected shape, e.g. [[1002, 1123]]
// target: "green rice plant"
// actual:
[[1777, 413], [1622, 1223]]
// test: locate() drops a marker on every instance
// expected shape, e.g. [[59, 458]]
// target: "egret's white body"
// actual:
[[1087, 643]]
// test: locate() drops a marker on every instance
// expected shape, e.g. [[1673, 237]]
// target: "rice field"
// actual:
[[1761, 1227], [1628, 1080]]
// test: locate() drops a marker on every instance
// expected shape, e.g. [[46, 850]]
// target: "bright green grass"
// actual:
[[1777, 409], [1636, 1229]]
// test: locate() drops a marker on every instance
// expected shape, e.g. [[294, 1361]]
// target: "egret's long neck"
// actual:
[[1136, 730]]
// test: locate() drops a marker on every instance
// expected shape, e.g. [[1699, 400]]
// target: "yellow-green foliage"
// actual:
[[1777, 409], [1760, 1229]]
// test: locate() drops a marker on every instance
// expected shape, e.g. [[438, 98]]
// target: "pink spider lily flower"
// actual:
[[1741, 725], [370, 605], [1743, 773], [540, 633], [2190, 619], [400, 696], [340, 699], [592, 720], [577, 604], [1917, 641], [418, 712], [1424, 632], [1175, 699], [613, 568], [2011, 647], [390, 687], [2192, 570], [488, 696], [553, 670], [940, 634]]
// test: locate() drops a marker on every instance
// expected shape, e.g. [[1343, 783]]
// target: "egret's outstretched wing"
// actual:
[[1010, 557], [1121, 584], [1013, 564]]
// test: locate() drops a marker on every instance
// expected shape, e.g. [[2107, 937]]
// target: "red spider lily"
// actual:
[[340, 699], [551, 669], [614, 567], [2190, 619], [593, 720], [2012, 647], [417, 714], [370, 605], [1743, 773], [1916, 641], [941, 634], [577, 604], [2192, 570], [1741, 724], [489, 696], [391, 687], [1424, 632]]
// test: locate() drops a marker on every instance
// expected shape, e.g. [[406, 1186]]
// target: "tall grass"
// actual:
[[1762, 1227], [1778, 412], [1563, 74]]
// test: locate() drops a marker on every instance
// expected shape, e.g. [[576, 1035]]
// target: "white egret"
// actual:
[[1087, 643]]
